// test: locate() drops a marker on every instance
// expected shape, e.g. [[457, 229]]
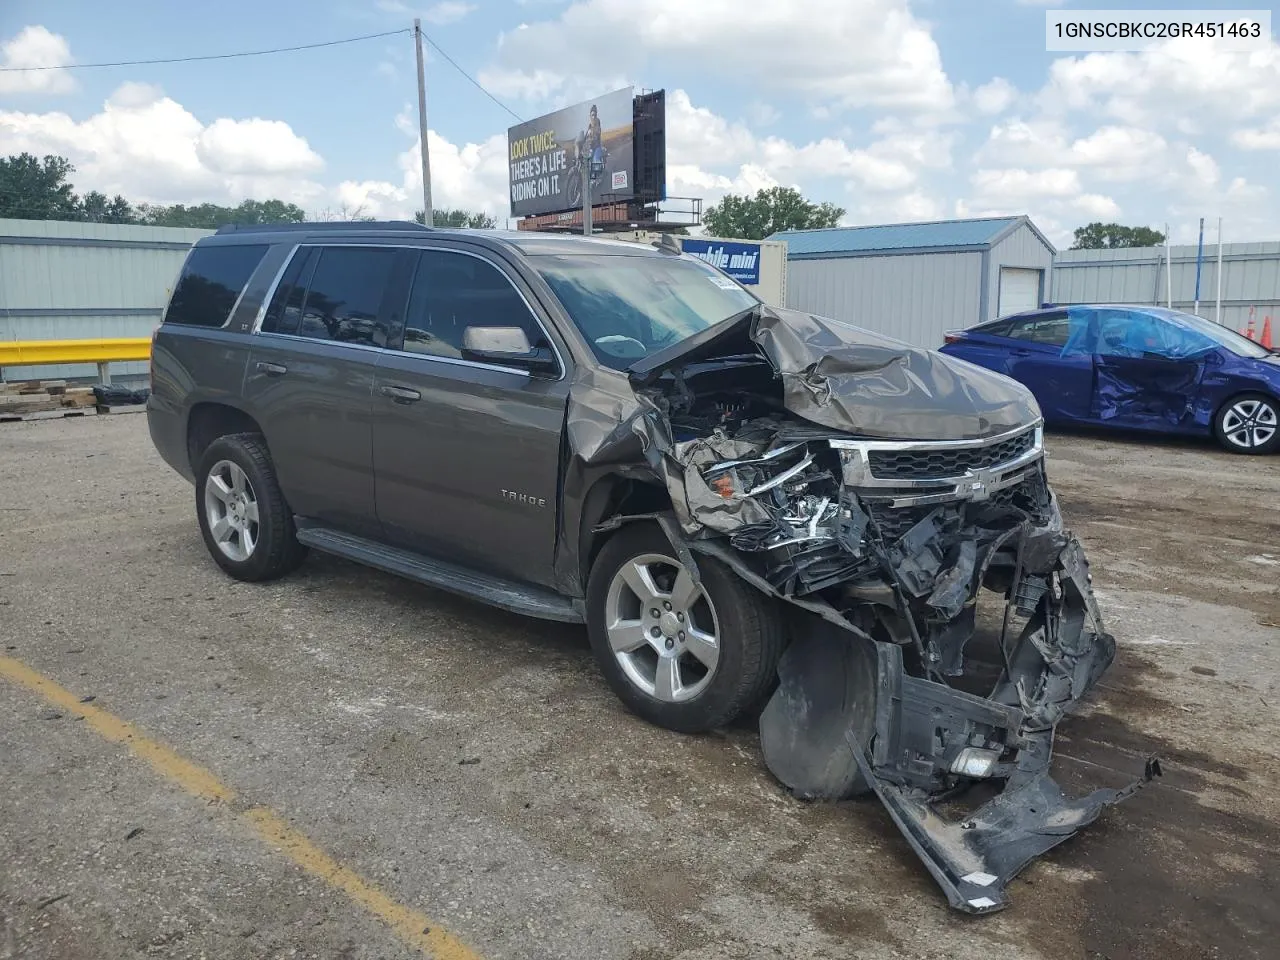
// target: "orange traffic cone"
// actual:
[[1266, 333], [1249, 330]]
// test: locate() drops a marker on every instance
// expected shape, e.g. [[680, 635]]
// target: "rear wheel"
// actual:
[[246, 524], [1249, 423], [686, 657]]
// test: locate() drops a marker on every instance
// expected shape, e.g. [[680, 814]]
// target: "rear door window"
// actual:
[[334, 293], [210, 283], [284, 313]]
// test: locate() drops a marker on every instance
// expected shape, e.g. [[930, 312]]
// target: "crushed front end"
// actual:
[[897, 680]]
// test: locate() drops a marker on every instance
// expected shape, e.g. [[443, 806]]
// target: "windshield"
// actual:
[[629, 307], [1222, 336]]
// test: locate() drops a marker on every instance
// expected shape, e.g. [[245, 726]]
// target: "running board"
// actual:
[[495, 591]]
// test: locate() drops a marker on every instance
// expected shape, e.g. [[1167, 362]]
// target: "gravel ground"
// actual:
[[473, 765]]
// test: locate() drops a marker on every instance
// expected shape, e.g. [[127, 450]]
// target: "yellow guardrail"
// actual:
[[17, 353]]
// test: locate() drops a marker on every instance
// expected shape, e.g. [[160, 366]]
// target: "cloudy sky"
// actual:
[[894, 109]]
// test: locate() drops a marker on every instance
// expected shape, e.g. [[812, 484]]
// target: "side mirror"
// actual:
[[508, 347]]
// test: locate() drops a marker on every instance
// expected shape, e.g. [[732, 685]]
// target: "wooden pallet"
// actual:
[[43, 399]]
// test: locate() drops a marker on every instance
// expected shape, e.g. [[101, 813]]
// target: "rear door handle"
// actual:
[[271, 369], [1022, 353], [400, 394]]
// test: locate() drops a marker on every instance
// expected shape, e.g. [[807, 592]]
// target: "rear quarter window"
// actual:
[[210, 283]]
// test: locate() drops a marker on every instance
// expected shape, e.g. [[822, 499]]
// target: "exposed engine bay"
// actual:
[[883, 493]]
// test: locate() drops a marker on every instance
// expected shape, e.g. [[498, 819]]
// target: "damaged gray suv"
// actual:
[[753, 510]]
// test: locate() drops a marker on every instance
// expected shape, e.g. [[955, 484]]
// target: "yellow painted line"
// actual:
[[411, 926]]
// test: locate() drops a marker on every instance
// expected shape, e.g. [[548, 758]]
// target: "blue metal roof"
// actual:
[[897, 236]]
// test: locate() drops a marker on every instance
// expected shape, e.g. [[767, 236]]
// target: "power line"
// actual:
[[223, 56], [262, 53], [436, 47]]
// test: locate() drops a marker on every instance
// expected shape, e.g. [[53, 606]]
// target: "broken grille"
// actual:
[[947, 461]]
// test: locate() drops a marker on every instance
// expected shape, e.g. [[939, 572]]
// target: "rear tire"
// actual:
[[657, 665], [1248, 423], [246, 524]]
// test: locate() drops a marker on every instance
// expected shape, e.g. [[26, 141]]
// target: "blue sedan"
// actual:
[[1136, 368]]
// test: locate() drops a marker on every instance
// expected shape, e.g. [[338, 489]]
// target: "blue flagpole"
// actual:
[[1199, 261]]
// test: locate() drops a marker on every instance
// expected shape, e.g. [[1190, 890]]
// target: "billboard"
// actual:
[[544, 175], [741, 261]]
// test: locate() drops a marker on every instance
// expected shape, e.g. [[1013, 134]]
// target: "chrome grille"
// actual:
[[946, 462]]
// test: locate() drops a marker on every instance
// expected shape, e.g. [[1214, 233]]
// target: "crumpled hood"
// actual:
[[859, 382]]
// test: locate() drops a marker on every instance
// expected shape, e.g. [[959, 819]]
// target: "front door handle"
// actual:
[[271, 369], [1022, 353], [400, 394]]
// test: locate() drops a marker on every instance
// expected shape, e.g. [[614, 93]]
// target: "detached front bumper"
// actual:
[[924, 734], [849, 718]]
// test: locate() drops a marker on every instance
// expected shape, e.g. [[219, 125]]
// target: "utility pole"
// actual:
[[422, 124]]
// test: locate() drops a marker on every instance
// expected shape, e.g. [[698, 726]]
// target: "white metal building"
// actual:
[[1250, 280], [85, 281], [915, 281]]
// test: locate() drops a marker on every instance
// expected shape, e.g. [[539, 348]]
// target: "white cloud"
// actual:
[[36, 46], [446, 12], [857, 53], [904, 208], [1096, 206], [1203, 167], [1112, 152], [1178, 79], [1014, 185], [472, 175], [1051, 196], [441, 14], [1258, 138], [701, 138], [255, 146], [150, 148], [994, 97]]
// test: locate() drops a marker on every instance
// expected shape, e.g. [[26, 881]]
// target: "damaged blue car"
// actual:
[[1136, 368]]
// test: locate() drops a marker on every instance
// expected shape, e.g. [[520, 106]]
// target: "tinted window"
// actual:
[[1051, 329], [210, 283], [285, 310], [453, 291], [995, 328], [343, 297]]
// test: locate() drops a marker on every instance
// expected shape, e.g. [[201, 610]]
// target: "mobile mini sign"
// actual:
[[741, 261]]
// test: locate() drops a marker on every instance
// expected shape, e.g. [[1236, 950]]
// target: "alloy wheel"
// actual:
[[1250, 423], [231, 508], [662, 628]]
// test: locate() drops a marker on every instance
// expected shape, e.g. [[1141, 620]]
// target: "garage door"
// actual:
[[1019, 290]]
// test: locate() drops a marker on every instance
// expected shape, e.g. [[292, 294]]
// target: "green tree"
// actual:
[[96, 207], [1103, 236], [458, 218], [778, 208], [210, 216], [37, 189]]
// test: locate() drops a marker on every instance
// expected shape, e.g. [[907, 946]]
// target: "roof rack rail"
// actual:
[[335, 225]]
